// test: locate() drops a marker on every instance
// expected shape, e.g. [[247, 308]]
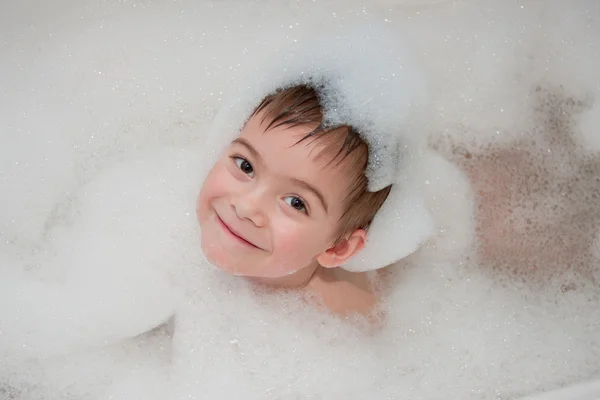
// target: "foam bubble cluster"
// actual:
[[105, 111]]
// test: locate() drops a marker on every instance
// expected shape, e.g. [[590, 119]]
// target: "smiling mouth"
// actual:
[[235, 235]]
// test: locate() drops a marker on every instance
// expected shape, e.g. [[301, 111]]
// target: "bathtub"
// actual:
[[582, 391], [44, 16]]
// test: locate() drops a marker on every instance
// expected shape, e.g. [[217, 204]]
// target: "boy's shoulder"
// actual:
[[343, 292]]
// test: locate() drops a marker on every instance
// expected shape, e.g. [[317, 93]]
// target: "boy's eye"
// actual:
[[296, 203], [244, 165]]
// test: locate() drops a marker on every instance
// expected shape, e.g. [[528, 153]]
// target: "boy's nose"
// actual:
[[250, 206]]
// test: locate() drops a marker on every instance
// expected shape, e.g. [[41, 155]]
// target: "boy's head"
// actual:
[[287, 193]]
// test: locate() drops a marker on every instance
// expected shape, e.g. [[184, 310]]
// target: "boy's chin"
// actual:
[[233, 268], [219, 260], [222, 261]]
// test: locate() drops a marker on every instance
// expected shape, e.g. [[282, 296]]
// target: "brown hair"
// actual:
[[300, 105]]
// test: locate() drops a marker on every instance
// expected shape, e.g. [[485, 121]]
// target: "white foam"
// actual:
[[105, 107], [590, 121]]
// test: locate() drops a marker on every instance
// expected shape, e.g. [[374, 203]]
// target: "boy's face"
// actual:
[[270, 206]]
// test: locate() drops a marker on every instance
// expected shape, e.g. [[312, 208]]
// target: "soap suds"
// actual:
[[105, 112]]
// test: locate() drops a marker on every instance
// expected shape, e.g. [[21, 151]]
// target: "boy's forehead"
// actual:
[[314, 153]]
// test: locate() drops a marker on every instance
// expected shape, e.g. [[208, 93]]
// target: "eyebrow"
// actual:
[[298, 182], [312, 189], [249, 147]]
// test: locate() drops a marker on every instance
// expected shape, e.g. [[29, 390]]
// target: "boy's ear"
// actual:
[[343, 250]]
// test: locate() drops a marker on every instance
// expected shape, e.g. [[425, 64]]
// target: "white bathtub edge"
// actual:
[[583, 391]]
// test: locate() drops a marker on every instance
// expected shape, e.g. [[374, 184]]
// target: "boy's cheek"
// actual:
[[201, 209], [303, 248], [208, 193], [218, 183]]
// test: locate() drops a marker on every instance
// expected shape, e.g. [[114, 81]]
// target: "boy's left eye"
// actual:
[[296, 203]]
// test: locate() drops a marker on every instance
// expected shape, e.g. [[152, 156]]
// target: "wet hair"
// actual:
[[300, 106]]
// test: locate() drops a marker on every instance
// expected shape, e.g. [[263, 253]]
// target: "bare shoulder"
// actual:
[[343, 292]]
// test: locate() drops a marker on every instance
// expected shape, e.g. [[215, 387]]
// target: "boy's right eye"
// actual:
[[244, 166]]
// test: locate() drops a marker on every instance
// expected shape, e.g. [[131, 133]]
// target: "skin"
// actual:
[[269, 211]]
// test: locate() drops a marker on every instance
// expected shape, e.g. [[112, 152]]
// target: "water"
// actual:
[[104, 107]]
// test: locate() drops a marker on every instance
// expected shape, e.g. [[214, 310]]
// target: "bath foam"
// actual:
[[589, 131], [88, 266], [453, 330]]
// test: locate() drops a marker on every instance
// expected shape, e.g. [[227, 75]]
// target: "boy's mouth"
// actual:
[[235, 234]]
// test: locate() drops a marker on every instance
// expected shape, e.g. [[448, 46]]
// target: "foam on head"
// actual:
[[101, 230], [385, 107]]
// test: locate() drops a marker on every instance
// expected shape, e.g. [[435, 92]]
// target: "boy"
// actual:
[[287, 202]]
